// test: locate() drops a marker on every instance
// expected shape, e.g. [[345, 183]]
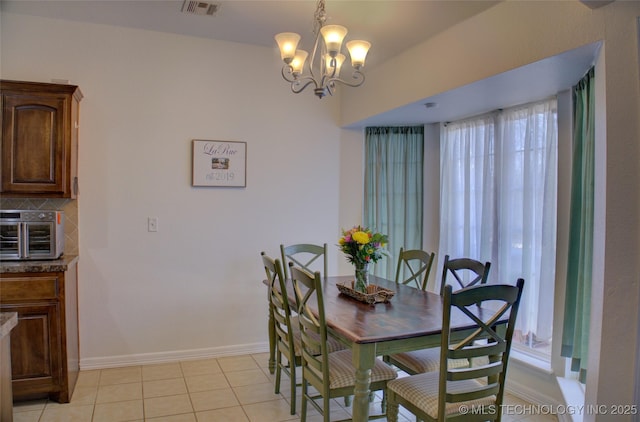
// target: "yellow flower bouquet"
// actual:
[[361, 247]]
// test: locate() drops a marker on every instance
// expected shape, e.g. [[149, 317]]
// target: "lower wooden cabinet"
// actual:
[[44, 344]]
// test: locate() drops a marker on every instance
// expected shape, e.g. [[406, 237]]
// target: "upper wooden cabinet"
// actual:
[[39, 139]]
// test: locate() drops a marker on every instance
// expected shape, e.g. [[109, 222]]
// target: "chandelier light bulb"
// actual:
[[339, 59], [288, 43], [297, 64], [333, 36], [358, 50]]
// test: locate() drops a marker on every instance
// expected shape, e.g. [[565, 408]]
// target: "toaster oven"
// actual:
[[31, 234]]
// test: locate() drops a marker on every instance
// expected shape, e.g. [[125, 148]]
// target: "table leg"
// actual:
[[363, 357]]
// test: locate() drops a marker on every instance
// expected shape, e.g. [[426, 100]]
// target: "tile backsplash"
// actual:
[[69, 206]]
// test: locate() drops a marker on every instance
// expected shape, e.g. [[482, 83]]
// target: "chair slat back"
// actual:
[[414, 267], [466, 272], [307, 256], [485, 307], [313, 329], [279, 306]]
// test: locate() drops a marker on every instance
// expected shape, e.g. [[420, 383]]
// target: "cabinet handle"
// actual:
[[75, 185], [76, 124]]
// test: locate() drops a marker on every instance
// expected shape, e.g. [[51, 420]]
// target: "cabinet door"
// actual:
[[34, 155], [36, 365]]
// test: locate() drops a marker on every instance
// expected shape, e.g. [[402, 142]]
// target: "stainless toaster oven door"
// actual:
[[10, 240], [39, 239]]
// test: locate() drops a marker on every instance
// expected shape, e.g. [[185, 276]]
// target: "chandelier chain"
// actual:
[[319, 17]]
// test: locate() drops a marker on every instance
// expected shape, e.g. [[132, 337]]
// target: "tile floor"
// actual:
[[229, 389]]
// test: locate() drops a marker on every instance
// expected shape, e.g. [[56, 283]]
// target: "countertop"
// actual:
[[8, 320], [48, 266]]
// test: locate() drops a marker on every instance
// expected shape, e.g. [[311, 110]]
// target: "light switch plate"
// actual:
[[152, 224]]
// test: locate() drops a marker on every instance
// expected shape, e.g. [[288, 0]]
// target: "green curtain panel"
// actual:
[[393, 189], [575, 333]]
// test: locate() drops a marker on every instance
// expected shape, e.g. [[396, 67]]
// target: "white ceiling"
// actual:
[[390, 25]]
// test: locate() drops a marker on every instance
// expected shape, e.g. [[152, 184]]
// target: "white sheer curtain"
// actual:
[[498, 203], [466, 189]]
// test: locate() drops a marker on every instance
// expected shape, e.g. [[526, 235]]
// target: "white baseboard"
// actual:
[[172, 356], [536, 397]]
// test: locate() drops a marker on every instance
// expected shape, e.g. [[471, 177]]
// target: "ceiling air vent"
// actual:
[[199, 8]]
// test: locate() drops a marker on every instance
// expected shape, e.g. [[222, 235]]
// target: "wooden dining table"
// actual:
[[411, 320]]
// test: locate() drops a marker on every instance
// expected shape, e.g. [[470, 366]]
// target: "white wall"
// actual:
[[431, 209], [351, 182], [504, 37], [194, 287]]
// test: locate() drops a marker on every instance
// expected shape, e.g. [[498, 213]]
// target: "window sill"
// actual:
[[573, 395], [531, 362]]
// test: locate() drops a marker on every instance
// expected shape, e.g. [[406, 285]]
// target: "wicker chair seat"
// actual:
[[425, 360], [343, 374], [422, 391]]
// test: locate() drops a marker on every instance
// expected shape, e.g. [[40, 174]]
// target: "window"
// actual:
[[498, 204]]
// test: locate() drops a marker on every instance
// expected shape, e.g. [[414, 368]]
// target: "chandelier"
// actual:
[[325, 63]]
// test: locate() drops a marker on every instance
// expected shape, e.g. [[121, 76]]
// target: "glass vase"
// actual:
[[362, 277]]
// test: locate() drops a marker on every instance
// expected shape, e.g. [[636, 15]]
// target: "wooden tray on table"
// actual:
[[375, 293]]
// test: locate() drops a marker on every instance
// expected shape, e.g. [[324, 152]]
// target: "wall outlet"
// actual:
[[152, 224]]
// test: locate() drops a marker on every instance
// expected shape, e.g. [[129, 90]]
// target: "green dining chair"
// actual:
[[305, 255], [285, 327], [414, 267], [285, 330], [331, 374], [445, 394], [465, 272]]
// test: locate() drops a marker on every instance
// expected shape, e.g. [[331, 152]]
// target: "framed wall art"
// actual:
[[219, 163]]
